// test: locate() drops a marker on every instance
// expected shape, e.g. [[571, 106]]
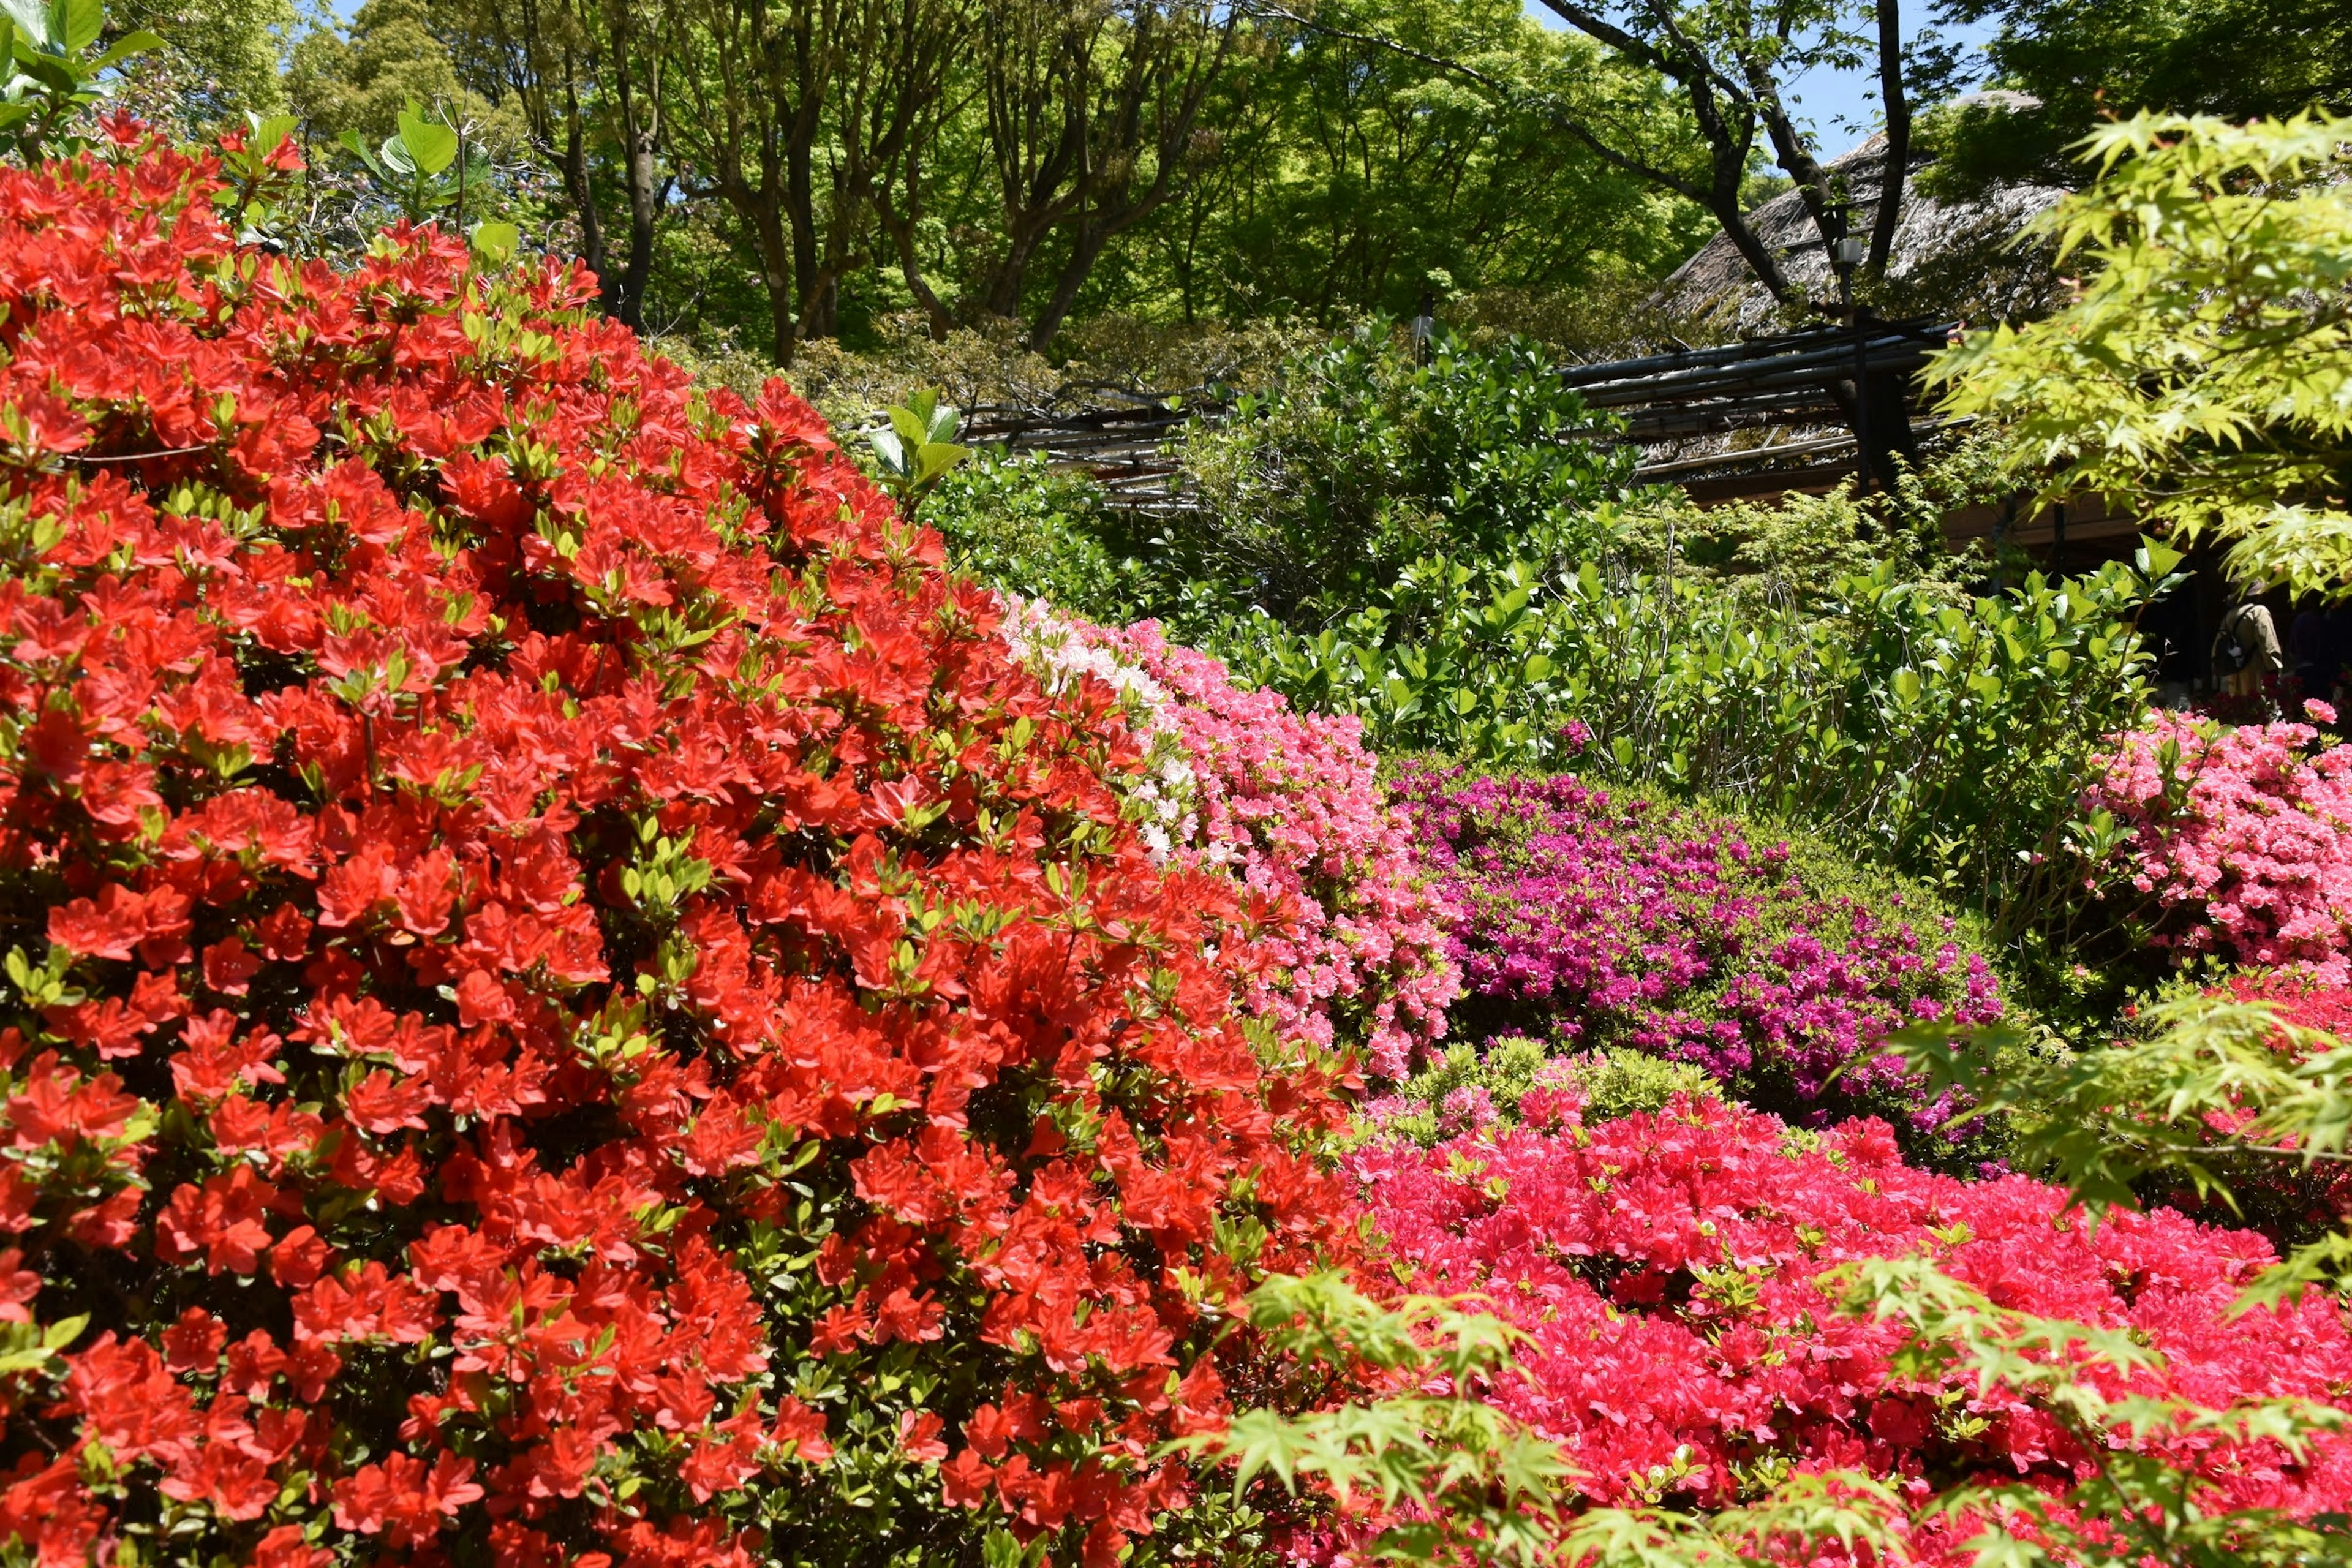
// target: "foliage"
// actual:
[[2068, 65], [52, 72], [917, 449], [1025, 527], [2202, 1084], [1378, 153], [1735, 74], [1718, 1302], [1798, 547], [1596, 918], [2288, 1201], [1365, 456], [221, 58], [2203, 377], [1353, 953], [1949, 740], [424, 167], [567, 993], [2240, 838], [1423, 1469], [1473, 1089]]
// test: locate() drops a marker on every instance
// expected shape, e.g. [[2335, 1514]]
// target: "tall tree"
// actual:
[[586, 75], [1732, 66], [1380, 149], [891, 75], [2080, 61], [748, 78], [1094, 119]]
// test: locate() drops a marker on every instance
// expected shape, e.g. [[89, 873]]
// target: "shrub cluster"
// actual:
[[569, 994], [1292, 803], [1687, 1349], [1597, 917], [2241, 837]]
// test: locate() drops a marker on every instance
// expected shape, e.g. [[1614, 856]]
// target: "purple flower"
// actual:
[[1608, 919]]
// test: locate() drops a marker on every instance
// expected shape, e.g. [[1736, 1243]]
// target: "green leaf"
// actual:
[[351, 143], [933, 459], [140, 43], [431, 147], [28, 18], [78, 24], [496, 243]]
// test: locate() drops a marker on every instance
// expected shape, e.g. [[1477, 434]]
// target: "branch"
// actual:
[[1502, 89]]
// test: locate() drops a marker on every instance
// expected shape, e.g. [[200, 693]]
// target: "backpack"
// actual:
[[2232, 653]]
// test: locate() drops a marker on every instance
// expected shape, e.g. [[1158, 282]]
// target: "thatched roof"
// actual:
[[1949, 259]]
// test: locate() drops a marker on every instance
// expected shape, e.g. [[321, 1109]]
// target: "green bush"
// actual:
[[1366, 455], [1612, 1083], [1024, 527], [1800, 546], [1948, 737]]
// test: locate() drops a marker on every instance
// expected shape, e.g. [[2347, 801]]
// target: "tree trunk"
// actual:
[[583, 193], [770, 238], [640, 136], [1897, 103], [1086, 247]]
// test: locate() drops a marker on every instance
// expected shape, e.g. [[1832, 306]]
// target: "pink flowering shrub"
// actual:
[[1596, 918], [2241, 837], [1290, 804], [1668, 1269]]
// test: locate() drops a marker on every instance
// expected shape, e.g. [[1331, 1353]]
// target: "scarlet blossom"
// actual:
[[587, 986]]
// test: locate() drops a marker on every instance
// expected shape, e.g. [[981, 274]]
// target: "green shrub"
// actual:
[[1612, 1083], [1947, 737], [1022, 526], [1801, 546], [1364, 457]]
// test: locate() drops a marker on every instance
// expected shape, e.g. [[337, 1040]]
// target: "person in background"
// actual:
[[2315, 644], [2246, 648]]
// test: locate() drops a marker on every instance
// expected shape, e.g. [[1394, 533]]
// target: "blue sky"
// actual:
[[1842, 107]]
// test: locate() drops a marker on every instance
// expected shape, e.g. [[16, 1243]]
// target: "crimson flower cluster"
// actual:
[[1668, 1269], [568, 999], [1595, 918]]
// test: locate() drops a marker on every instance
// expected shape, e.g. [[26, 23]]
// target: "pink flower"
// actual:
[[2242, 837]]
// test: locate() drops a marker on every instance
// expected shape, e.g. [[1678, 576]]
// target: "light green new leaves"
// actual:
[[1475, 1480], [2135, 1505], [2102, 1120], [917, 449], [425, 166], [48, 74], [2202, 377]]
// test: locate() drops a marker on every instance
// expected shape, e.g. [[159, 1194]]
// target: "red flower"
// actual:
[[544, 858]]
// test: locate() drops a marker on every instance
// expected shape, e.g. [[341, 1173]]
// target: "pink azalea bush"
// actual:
[[1668, 1270], [2243, 837], [1291, 804], [1596, 918]]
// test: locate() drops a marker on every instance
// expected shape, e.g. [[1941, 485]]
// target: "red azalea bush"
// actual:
[[570, 999], [2241, 837], [1668, 1270]]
